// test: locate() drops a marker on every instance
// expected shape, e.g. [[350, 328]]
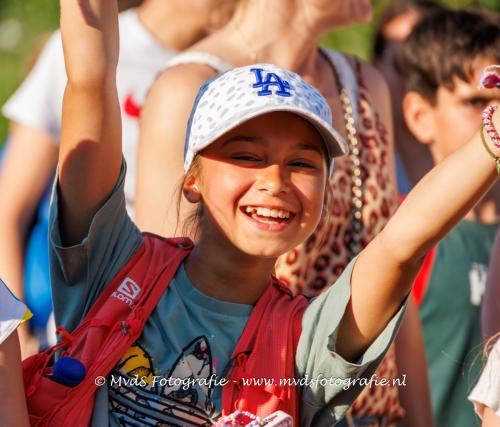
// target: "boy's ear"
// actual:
[[419, 117], [190, 189]]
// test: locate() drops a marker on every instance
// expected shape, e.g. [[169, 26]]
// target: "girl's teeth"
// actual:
[[265, 212]]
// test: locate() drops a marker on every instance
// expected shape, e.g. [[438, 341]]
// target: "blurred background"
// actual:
[[24, 26]]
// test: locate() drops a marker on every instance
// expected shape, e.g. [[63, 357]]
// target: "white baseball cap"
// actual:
[[241, 94]]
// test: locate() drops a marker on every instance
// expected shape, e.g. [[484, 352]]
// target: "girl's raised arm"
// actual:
[[90, 152], [385, 270]]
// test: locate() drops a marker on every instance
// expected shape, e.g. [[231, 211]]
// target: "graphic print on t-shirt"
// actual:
[[478, 275], [139, 398]]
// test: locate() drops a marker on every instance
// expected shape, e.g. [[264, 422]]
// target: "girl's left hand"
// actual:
[[490, 78]]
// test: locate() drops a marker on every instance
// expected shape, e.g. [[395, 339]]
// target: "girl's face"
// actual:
[[262, 184]]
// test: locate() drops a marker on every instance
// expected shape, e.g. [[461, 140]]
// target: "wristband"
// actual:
[[496, 158], [490, 77], [489, 126]]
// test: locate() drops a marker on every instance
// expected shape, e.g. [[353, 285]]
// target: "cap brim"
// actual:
[[335, 143]]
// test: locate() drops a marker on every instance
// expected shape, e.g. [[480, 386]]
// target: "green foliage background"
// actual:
[[39, 17]]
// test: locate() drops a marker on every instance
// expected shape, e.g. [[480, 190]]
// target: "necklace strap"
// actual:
[[252, 53], [357, 196], [193, 57], [340, 65]]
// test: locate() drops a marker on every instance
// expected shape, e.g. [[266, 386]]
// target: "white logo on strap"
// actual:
[[127, 291]]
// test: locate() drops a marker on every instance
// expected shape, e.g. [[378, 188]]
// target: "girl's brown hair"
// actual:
[[446, 44]]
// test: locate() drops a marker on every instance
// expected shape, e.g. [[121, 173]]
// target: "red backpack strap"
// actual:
[[164, 255], [163, 259], [266, 350], [423, 277], [168, 255], [108, 330]]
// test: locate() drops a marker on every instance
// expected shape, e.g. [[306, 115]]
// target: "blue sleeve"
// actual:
[[79, 273]]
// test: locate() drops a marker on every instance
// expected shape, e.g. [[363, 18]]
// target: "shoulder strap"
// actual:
[[347, 77], [271, 296], [157, 251], [117, 318], [266, 349], [131, 297], [209, 59]]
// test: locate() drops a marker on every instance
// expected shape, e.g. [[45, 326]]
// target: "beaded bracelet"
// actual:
[[490, 78], [239, 418], [488, 125], [496, 158]]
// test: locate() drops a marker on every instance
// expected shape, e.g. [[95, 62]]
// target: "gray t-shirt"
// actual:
[[190, 335]]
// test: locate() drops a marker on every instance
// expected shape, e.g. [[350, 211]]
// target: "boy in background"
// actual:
[[413, 160], [442, 62]]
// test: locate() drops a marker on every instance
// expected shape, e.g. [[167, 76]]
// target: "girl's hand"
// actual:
[[490, 78]]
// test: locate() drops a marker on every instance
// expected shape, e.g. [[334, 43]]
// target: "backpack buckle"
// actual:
[[124, 327]]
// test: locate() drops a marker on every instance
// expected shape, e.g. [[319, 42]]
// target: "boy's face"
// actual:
[[456, 116], [262, 184]]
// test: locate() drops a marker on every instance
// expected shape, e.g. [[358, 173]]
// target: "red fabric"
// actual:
[[423, 277], [112, 326], [131, 108], [265, 352], [108, 330]]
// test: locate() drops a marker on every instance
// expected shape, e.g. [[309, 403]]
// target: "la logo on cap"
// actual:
[[265, 82]]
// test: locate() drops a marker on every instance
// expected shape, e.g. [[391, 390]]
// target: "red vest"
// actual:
[[266, 349]]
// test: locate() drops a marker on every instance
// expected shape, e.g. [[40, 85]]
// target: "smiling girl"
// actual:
[[259, 150]]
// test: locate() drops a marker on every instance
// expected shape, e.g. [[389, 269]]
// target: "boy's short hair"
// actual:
[[394, 10], [446, 44]]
